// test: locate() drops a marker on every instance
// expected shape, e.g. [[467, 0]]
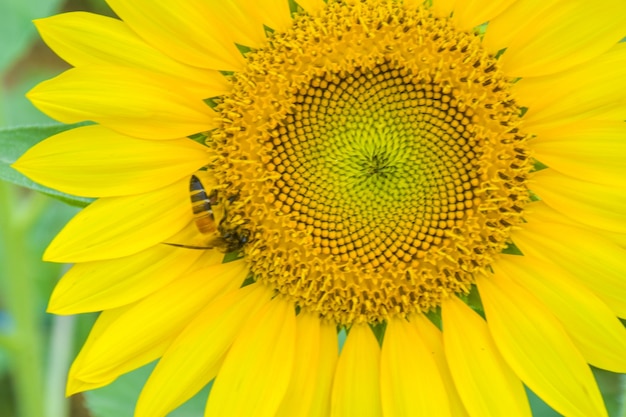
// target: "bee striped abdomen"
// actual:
[[202, 206]]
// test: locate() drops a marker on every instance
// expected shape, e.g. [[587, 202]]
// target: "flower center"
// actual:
[[377, 159]]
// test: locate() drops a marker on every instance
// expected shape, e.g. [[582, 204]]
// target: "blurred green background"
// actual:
[[36, 348]]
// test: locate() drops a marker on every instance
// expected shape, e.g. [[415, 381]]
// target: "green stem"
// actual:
[[20, 298], [61, 337]]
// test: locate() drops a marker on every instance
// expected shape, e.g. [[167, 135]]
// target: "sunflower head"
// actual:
[[446, 173]]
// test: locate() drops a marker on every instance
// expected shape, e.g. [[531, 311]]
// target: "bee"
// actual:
[[203, 205], [210, 219]]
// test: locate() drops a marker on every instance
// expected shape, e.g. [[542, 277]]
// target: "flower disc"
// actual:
[[372, 184]]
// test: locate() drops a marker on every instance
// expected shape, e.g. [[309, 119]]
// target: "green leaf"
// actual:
[[15, 141], [119, 398]]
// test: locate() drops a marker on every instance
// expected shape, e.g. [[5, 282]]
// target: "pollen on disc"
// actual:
[[378, 159]]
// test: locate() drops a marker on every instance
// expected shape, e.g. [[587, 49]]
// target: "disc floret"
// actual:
[[378, 157]]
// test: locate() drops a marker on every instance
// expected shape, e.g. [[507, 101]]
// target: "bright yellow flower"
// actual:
[[371, 162]]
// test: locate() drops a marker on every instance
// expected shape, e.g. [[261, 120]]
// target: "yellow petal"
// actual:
[[105, 319], [194, 357], [566, 34], [594, 328], [273, 13], [596, 205], [191, 236], [131, 101], [259, 365], [471, 13], [312, 6], [207, 258], [410, 382], [102, 285], [433, 340], [233, 21], [486, 384], [84, 39], [76, 383], [187, 31], [92, 161], [320, 405], [538, 349], [74, 386], [590, 150], [552, 101], [596, 262], [356, 389], [121, 226], [500, 32], [540, 211], [443, 8], [299, 397], [154, 322]]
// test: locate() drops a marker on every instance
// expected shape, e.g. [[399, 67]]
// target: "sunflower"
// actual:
[[442, 180]]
